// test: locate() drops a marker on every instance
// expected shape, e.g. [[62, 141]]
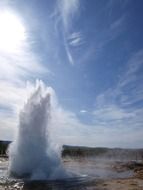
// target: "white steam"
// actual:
[[32, 154]]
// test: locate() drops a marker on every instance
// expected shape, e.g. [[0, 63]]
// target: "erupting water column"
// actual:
[[31, 154]]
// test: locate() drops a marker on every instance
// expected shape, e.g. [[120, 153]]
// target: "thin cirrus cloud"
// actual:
[[18, 64], [112, 113], [115, 114], [68, 11], [16, 56], [111, 32], [11, 100], [134, 65], [75, 39], [130, 80], [123, 125], [17, 67], [116, 111], [111, 116], [109, 122], [83, 111]]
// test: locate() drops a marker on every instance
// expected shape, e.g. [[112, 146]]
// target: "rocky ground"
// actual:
[[116, 184], [119, 184], [134, 182]]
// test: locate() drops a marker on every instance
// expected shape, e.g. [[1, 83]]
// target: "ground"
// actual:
[[118, 184], [134, 182]]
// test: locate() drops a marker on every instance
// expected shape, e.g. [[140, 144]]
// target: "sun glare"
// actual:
[[12, 32]]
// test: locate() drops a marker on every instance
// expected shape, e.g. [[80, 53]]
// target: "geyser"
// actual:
[[31, 154]]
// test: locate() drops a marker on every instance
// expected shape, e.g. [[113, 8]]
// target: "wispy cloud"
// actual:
[[67, 128], [128, 89], [71, 42], [114, 29], [17, 65], [130, 82], [119, 126], [68, 10], [113, 127], [117, 23], [7, 128], [75, 39], [113, 112], [102, 37], [134, 64], [68, 52], [11, 99], [83, 111]]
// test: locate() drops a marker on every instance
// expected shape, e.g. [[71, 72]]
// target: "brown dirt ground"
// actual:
[[133, 183], [119, 184]]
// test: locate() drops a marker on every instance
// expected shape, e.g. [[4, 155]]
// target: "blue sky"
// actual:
[[91, 54]]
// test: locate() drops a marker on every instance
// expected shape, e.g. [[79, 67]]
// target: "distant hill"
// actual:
[[3, 147], [103, 152]]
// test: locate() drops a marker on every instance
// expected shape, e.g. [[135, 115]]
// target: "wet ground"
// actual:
[[92, 175], [99, 169]]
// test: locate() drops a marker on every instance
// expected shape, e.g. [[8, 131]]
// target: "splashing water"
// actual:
[[31, 154]]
